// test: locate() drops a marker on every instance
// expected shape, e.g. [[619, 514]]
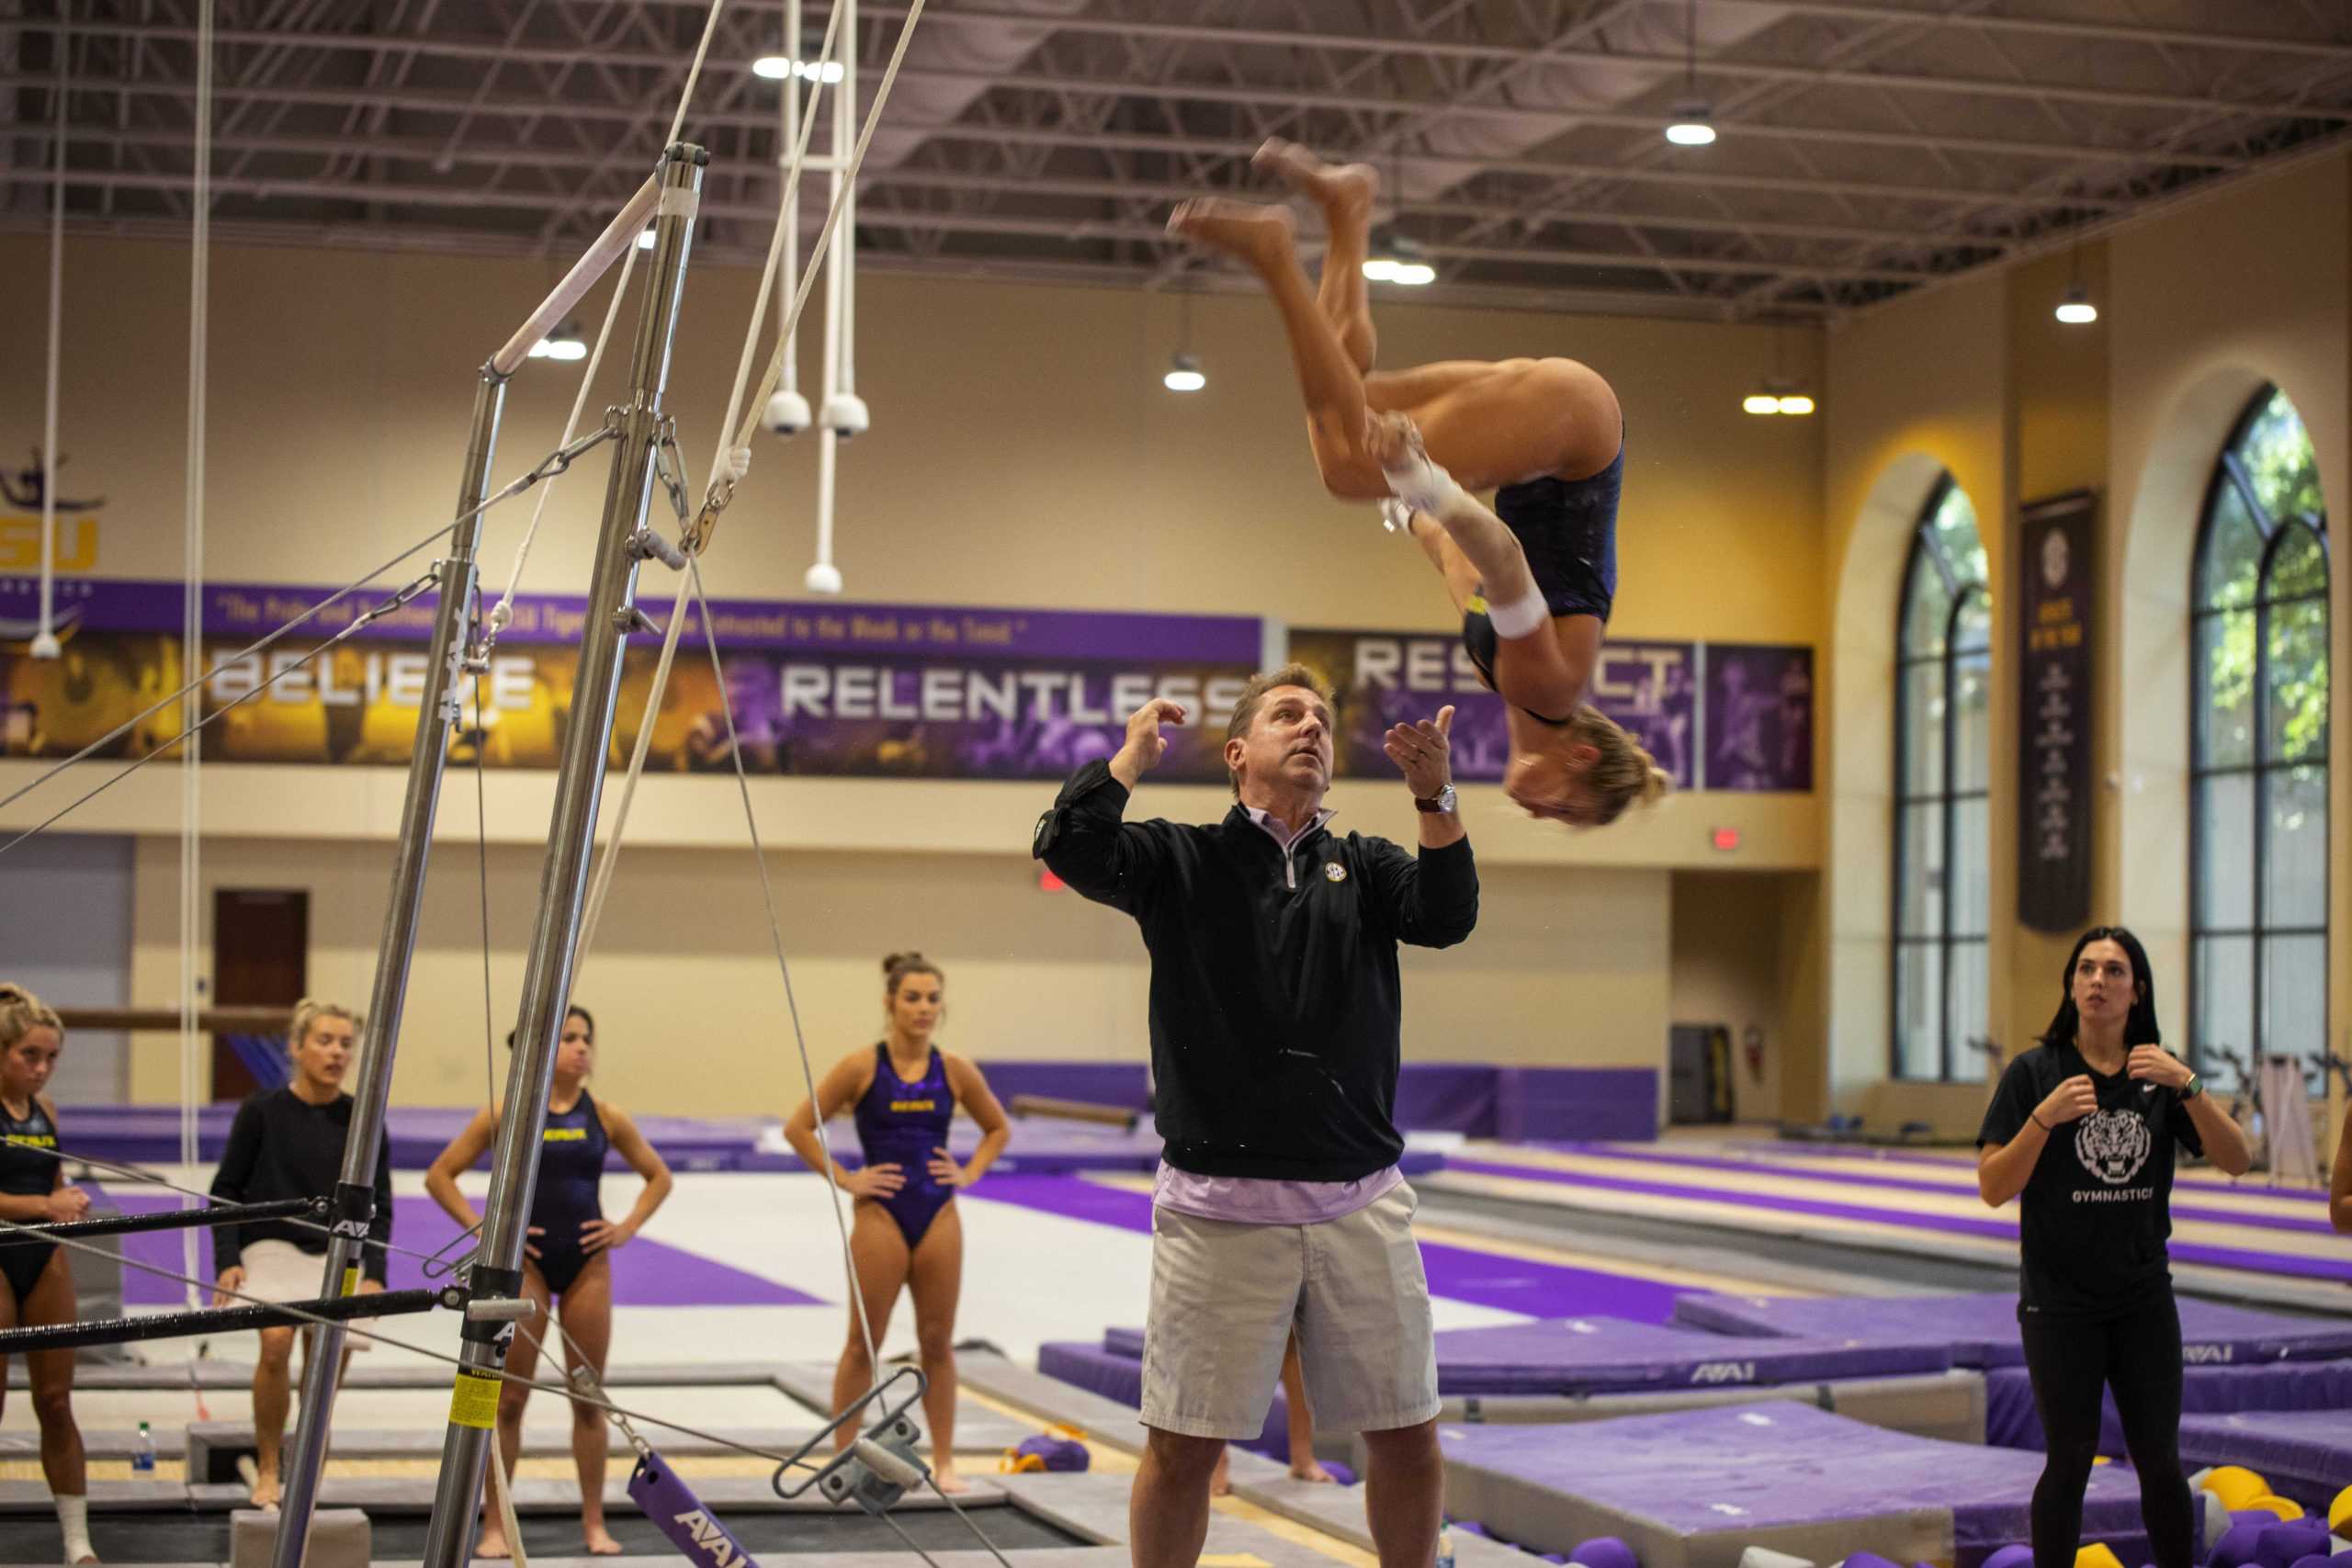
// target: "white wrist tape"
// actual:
[[1523, 616], [1422, 485]]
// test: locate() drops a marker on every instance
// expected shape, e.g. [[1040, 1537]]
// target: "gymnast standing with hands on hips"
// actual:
[[2086, 1129], [568, 1258], [907, 1232]]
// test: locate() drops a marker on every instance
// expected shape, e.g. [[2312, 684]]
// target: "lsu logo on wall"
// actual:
[[77, 543]]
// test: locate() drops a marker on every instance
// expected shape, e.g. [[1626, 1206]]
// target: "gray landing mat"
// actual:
[[979, 1430], [1946, 1405], [1601, 1354], [1335, 1510], [1980, 1327], [2306, 1455], [1693, 1489]]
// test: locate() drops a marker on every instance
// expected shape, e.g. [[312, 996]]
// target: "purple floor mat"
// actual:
[[645, 1273], [1120, 1378], [2306, 1455], [1605, 1355], [1980, 1327], [1457, 1273], [2251, 1259], [2184, 1204], [2010, 1420], [1732, 1471]]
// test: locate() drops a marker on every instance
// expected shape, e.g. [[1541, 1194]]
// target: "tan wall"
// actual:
[[1741, 943], [2060, 412], [1023, 454], [1915, 390], [2209, 305], [1568, 968], [2200, 306]]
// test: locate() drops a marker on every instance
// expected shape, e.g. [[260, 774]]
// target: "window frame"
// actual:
[[2231, 477], [1948, 796]]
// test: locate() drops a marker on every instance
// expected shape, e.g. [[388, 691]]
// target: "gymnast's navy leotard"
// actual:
[[28, 1169], [901, 1124], [571, 1166], [1568, 530]]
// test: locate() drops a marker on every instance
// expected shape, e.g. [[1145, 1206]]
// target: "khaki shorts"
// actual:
[[1226, 1297], [281, 1271]]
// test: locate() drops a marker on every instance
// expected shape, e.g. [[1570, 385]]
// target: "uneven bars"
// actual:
[[618, 235], [223, 1021]]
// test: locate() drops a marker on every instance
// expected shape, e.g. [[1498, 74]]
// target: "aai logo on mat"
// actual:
[[1723, 1371], [2112, 1144]]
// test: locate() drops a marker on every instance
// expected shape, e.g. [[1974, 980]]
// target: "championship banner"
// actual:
[[1760, 717], [2057, 569], [1389, 677], [818, 689]]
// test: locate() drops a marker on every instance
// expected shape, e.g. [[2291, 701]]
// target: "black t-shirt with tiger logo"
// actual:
[[2097, 1208]]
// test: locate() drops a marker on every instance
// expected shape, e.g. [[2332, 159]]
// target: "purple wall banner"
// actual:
[[1760, 717], [2057, 603], [837, 688], [1387, 678]]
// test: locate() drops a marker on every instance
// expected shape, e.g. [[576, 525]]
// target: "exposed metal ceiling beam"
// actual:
[[1557, 119], [424, 151], [872, 216], [417, 238], [499, 51], [1173, 146], [2056, 26]]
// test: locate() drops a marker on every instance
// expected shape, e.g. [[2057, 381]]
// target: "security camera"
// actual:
[[845, 415], [787, 414], [824, 577]]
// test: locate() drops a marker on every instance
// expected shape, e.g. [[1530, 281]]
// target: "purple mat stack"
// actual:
[[1695, 1488]]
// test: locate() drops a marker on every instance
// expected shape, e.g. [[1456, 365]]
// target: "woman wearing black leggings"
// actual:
[[2086, 1128]]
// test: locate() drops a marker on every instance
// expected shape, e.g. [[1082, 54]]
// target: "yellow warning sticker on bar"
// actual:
[[475, 1403], [351, 1279]]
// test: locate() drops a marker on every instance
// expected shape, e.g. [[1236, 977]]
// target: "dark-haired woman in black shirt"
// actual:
[[2085, 1128]]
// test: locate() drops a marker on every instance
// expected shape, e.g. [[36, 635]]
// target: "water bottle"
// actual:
[[143, 1455], [1445, 1546]]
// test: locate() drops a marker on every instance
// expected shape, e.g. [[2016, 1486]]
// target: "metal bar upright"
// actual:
[[563, 881], [355, 1195]]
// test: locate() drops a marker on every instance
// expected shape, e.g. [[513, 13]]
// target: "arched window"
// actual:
[[2258, 870], [1942, 738]]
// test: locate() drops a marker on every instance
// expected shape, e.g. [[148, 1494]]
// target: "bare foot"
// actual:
[[1340, 189], [491, 1543], [943, 1475], [267, 1489], [1251, 231], [600, 1541], [1309, 1469], [1221, 1478]]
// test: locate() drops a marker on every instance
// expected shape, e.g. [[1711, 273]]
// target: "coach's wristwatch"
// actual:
[[2193, 1087], [1445, 800]]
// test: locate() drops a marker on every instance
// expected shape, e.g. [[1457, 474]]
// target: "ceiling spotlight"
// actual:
[[1398, 258], [775, 68], [564, 345], [1693, 124], [1184, 374], [1777, 396], [2076, 310]]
